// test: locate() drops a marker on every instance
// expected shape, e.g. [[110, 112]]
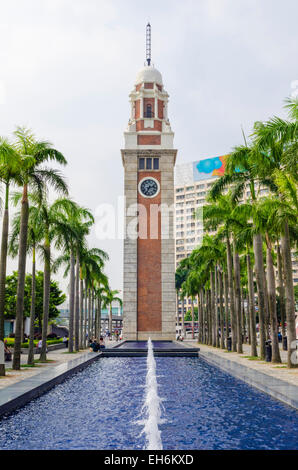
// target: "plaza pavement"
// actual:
[[279, 371]]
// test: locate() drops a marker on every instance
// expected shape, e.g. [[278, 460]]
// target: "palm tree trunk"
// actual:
[[251, 308], [3, 262], [281, 290], [259, 272], [46, 298], [237, 299], [203, 316], [246, 302], [243, 318], [231, 296], [192, 319], [267, 312], [226, 296], [212, 312], [30, 360], [99, 315], [89, 315], [71, 301], [177, 310], [81, 313], [16, 364], [200, 315], [290, 298], [86, 314], [183, 316], [216, 306], [272, 303], [96, 321], [221, 311], [92, 312], [110, 319], [209, 318], [77, 303]]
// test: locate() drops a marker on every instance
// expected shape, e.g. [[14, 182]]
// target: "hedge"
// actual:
[[10, 342]]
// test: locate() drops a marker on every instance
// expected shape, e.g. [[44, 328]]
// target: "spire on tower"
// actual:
[[148, 44]]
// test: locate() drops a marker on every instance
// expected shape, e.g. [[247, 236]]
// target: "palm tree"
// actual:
[[241, 174], [47, 216], [92, 262], [9, 173], [33, 155], [277, 144], [217, 214], [74, 226], [110, 297], [180, 277]]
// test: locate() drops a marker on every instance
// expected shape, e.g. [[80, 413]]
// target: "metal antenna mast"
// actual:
[[148, 44]]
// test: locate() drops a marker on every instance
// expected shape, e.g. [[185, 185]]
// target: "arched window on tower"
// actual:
[[149, 112]]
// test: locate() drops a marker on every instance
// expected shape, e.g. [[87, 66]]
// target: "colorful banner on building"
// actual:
[[209, 167]]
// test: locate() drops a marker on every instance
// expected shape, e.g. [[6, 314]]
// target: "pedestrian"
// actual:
[[39, 346], [7, 352]]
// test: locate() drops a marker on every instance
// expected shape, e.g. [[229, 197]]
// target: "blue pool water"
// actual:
[[203, 408]]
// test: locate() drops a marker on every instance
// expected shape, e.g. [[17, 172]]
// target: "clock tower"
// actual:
[[149, 299]]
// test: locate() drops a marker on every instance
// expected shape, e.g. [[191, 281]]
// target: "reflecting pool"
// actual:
[[202, 408]]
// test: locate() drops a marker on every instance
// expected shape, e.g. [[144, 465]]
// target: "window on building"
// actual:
[[149, 164], [156, 163], [190, 188], [149, 113], [141, 163]]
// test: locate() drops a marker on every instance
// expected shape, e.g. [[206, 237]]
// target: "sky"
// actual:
[[68, 66]]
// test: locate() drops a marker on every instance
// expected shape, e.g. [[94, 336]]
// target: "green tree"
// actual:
[[33, 174], [9, 173], [57, 297]]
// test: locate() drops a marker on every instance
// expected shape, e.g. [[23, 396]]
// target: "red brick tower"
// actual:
[[149, 251]]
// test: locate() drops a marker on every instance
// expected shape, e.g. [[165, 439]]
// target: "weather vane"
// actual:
[[148, 44]]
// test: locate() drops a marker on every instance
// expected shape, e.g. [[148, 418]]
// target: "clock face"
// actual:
[[149, 187]]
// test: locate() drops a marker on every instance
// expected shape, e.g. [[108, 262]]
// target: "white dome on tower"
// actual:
[[149, 74]]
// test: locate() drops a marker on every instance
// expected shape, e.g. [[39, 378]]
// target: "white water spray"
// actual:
[[152, 405]]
